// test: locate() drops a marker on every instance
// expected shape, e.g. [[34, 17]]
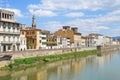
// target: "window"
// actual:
[[40, 41], [17, 28], [3, 38], [4, 26], [23, 32], [9, 47], [43, 37], [13, 27], [33, 41], [0, 24], [33, 32], [43, 43]]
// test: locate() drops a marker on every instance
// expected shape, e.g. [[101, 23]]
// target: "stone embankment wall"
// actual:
[[108, 48], [36, 53]]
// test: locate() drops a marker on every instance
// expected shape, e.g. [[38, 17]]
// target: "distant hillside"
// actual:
[[117, 37]]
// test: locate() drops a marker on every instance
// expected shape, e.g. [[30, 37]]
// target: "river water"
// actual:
[[106, 67]]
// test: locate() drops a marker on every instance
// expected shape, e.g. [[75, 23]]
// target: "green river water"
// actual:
[[106, 67]]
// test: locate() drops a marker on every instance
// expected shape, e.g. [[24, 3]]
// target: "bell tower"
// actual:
[[33, 22]]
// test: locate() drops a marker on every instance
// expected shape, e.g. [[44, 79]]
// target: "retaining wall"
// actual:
[[36, 53], [108, 48]]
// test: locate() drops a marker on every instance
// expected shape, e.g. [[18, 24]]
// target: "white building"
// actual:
[[115, 42], [98, 40], [83, 41], [43, 40], [9, 31], [65, 42]]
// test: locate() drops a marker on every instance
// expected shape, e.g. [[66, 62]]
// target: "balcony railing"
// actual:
[[9, 32], [7, 42], [10, 42]]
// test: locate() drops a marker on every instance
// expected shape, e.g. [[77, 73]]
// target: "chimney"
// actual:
[[66, 27], [74, 29]]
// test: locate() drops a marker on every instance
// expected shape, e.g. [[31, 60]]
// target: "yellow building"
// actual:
[[35, 38], [23, 37]]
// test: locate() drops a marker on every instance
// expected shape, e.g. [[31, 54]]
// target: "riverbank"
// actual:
[[27, 62]]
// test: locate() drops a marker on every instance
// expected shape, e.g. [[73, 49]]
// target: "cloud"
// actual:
[[43, 13], [115, 12], [100, 24], [74, 5], [55, 7], [114, 31], [52, 26], [100, 15], [17, 12], [75, 14]]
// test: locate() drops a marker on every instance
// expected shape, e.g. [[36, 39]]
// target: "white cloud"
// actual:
[[74, 4], [53, 26], [115, 12], [75, 14], [55, 6], [115, 3], [73, 8], [98, 24], [43, 13], [17, 12], [114, 31]]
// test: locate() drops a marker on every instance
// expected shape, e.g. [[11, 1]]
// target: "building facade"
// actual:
[[9, 32], [35, 38], [77, 37], [83, 42], [23, 45], [72, 34], [65, 32], [98, 40]]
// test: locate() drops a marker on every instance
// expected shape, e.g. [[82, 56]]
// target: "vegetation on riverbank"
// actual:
[[20, 63]]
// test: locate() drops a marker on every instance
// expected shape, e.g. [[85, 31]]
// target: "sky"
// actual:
[[90, 16]]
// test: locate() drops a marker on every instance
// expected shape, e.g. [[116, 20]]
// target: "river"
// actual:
[[106, 67]]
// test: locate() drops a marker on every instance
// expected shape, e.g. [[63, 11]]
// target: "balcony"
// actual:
[[7, 42], [43, 35], [7, 32], [10, 42]]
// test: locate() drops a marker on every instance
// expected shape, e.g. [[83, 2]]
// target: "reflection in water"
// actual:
[[90, 68]]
